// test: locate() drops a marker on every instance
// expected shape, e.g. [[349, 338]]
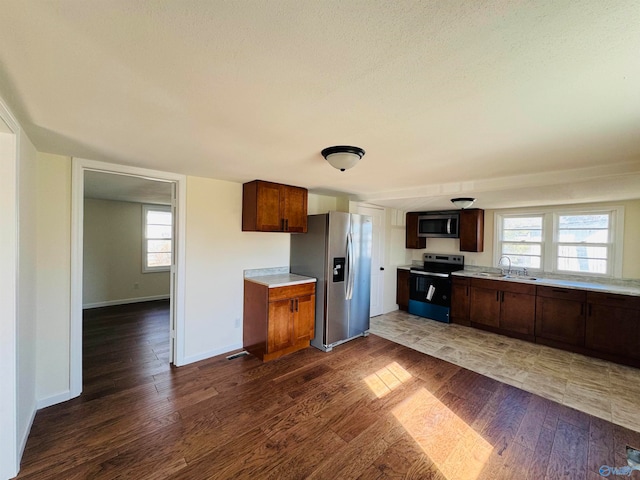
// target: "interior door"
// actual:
[[377, 258]]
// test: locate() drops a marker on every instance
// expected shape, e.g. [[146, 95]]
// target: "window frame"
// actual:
[[550, 237], [158, 208]]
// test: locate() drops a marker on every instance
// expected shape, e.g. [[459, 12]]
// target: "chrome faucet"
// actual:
[[500, 265]]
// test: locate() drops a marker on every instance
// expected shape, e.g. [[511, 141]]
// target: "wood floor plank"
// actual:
[[370, 409]]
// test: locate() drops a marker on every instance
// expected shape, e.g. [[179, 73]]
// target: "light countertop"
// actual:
[[629, 289], [281, 280]]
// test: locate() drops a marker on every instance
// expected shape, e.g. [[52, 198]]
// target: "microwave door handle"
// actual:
[[449, 225]]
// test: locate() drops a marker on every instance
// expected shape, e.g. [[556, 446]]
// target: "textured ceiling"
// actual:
[[514, 102]]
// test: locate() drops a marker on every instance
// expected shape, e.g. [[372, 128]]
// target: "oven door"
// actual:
[[430, 296]]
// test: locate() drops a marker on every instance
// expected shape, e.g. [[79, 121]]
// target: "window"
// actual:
[[522, 240], [157, 241], [585, 241]]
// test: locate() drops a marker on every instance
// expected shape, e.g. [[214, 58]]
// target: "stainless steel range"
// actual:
[[430, 287]]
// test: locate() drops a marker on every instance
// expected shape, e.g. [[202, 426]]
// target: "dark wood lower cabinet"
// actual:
[[613, 324], [402, 289], [560, 315], [460, 296], [603, 325], [503, 307]]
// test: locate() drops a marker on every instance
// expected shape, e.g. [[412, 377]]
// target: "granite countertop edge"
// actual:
[[281, 280]]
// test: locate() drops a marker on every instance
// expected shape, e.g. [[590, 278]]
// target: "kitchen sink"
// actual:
[[520, 277], [490, 274]]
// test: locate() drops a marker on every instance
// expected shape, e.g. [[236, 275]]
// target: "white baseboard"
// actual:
[[54, 399], [124, 301], [209, 354], [25, 434]]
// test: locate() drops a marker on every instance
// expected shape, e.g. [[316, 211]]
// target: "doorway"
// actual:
[[377, 257], [176, 185]]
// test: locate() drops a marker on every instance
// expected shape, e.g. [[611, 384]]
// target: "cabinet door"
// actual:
[[484, 308], [613, 330], [304, 320], [460, 301], [280, 329], [402, 292], [294, 209], [268, 213], [518, 312], [472, 230], [560, 320], [412, 240]]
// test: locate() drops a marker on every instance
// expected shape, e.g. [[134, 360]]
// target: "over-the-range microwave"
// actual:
[[439, 225]]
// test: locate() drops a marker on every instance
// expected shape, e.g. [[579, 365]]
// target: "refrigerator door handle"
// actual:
[[349, 293]]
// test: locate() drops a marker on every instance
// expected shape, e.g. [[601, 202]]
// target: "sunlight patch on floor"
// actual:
[[453, 446], [387, 379]]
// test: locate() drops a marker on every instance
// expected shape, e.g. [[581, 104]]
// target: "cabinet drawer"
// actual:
[[291, 291], [504, 286], [561, 293], [614, 300]]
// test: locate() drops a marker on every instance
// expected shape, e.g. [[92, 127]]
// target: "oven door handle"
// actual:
[[449, 225], [431, 274]]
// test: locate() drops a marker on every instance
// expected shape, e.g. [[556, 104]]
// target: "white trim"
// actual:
[[54, 399], [124, 301], [210, 353], [25, 437], [10, 452], [79, 166]]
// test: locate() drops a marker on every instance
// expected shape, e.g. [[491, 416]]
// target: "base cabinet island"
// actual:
[[279, 314]]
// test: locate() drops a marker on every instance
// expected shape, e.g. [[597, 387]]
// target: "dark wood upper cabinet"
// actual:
[[412, 239], [472, 230], [273, 207]]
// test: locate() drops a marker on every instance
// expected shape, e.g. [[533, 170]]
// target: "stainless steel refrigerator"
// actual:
[[336, 250]]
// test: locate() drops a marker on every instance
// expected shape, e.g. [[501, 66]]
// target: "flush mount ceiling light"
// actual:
[[342, 157], [463, 202]]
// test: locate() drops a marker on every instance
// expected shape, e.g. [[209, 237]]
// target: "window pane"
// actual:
[[583, 221], [154, 246], [582, 251], [588, 236], [158, 217], [521, 249], [158, 231], [582, 265], [520, 223], [158, 259], [522, 261], [522, 235]]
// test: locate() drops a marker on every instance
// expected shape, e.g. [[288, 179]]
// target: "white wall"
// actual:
[[8, 299], [54, 278], [217, 252], [17, 290], [27, 291], [112, 259]]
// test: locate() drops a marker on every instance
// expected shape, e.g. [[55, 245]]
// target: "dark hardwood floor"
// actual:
[[371, 409]]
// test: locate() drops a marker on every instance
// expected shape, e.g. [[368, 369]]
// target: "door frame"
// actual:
[[365, 209], [79, 166]]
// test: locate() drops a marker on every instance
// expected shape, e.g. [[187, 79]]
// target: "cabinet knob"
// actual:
[[381, 268]]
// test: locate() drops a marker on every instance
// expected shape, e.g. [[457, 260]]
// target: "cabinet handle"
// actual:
[[282, 224], [497, 296], [467, 290], [291, 306], [297, 305], [286, 224], [502, 297]]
